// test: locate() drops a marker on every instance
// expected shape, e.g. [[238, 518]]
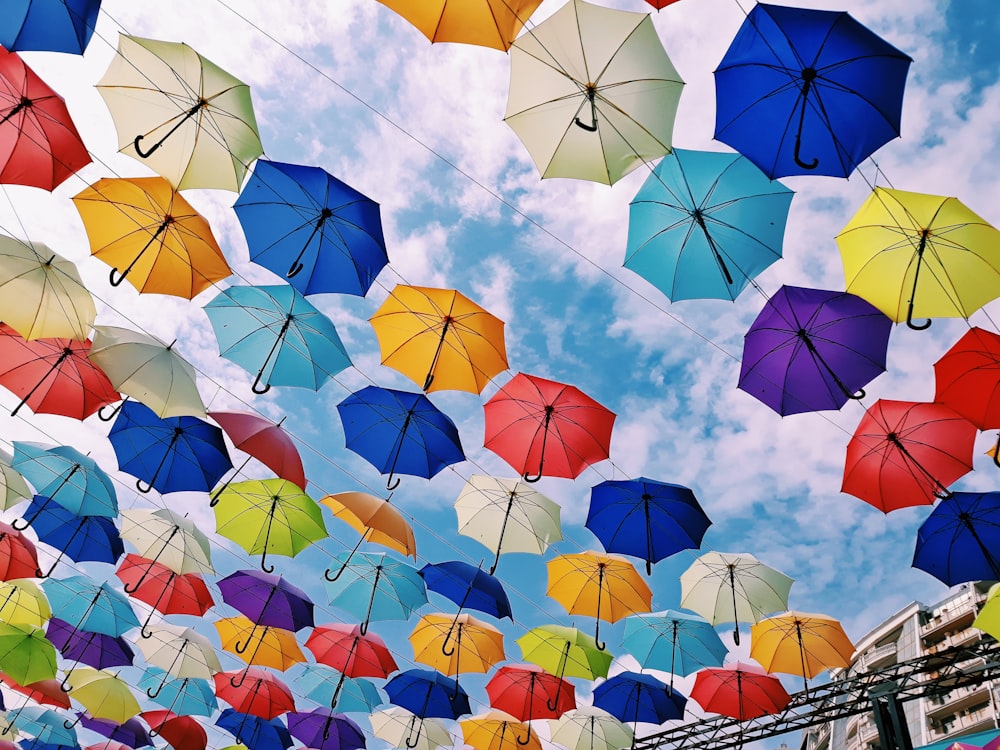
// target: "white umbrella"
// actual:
[[590, 728], [400, 728], [179, 651], [168, 538]]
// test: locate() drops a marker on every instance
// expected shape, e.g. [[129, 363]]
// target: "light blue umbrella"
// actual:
[[375, 587], [320, 683], [44, 724], [672, 641], [67, 477], [277, 333], [90, 605], [704, 224], [182, 695]]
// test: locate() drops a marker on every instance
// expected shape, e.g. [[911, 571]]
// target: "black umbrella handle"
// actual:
[[187, 116], [808, 76]]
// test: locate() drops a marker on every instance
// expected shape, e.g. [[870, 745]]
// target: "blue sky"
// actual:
[[770, 485]]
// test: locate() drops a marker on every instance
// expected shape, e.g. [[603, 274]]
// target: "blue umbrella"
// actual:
[[399, 432], [646, 518], [375, 587], [43, 724], [48, 25], [704, 224], [182, 695], [79, 538], [131, 732], [254, 732], [68, 477], [33, 744], [960, 539], [172, 454], [672, 641], [90, 605], [467, 586], [329, 687], [311, 229], [635, 697], [276, 332], [808, 91], [323, 729], [426, 693]]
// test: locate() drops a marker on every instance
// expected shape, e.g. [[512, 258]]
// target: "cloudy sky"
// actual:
[[351, 87]]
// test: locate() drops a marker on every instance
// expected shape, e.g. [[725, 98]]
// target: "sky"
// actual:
[[353, 88]]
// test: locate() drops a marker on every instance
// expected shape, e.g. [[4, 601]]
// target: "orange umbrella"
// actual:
[[486, 23], [261, 646], [375, 519], [454, 644], [497, 730], [800, 643]]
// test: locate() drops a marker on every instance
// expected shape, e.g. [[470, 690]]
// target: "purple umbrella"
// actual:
[[96, 650], [324, 729], [131, 733], [266, 600], [813, 350]]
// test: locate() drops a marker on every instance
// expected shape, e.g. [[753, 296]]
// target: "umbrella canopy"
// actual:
[[180, 652], [467, 586], [104, 695], [323, 729], [704, 224], [800, 643], [966, 378], [314, 231], [180, 114], [725, 587], [440, 339], [811, 350], [151, 236], [672, 641], [905, 453], [507, 515], [590, 728], [808, 91], [96, 650], [166, 537], [545, 427], [913, 255], [263, 646], [254, 691], [42, 294], [375, 587], [254, 732], [50, 25], [635, 697], [74, 481], [130, 733], [399, 432], [402, 729], [163, 589], [456, 644], [22, 602], [565, 652], [26, 655], [18, 556], [330, 688], [526, 692], [496, 730], [486, 23], [170, 454], [741, 691], [427, 693], [90, 605], [143, 367], [44, 692], [39, 144], [189, 695], [45, 725], [375, 519], [592, 93], [13, 488], [957, 542], [988, 619], [646, 518], [264, 440], [267, 600], [278, 333], [182, 732], [345, 648], [79, 538]]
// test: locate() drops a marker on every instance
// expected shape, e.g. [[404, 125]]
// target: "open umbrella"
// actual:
[[966, 379], [496, 730], [396, 726], [278, 333], [267, 601], [314, 231], [800, 643], [565, 652], [959, 540], [741, 691], [96, 650], [165, 536], [180, 114], [526, 692], [189, 695], [590, 728], [79, 538], [375, 587], [259, 646], [375, 519], [127, 734], [467, 586], [988, 619], [254, 732], [43, 692], [546, 427], [427, 693], [808, 91], [486, 23], [675, 642], [163, 589], [51, 25], [264, 440], [26, 655], [22, 602], [179, 652], [638, 697], [254, 691], [67, 477], [354, 654], [13, 488], [440, 339], [704, 224], [323, 729], [18, 556], [44, 724], [592, 93], [330, 688], [182, 732], [90, 605], [104, 695], [453, 645]]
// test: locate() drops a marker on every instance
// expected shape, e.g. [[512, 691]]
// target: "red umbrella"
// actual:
[[264, 440], [18, 556], [546, 427], [53, 375], [527, 692], [906, 453], [182, 732], [45, 692], [162, 589], [968, 379], [346, 649], [740, 691], [39, 145], [108, 745], [259, 692]]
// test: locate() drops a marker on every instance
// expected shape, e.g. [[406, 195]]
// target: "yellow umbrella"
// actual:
[[988, 619], [22, 602], [486, 23], [453, 644], [261, 646], [912, 254], [597, 585], [497, 730], [104, 695], [150, 235], [440, 339], [375, 519], [800, 643]]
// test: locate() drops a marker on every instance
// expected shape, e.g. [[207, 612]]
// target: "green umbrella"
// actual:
[[564, 652], [988, 619], [13, 488], [268, 516], [26, 655]]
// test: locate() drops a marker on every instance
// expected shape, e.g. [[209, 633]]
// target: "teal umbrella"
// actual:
[[90, 605], [320, 683], [67, 477], [182, 695], [672, 641], [375, 587], [44, 724], [275, 332]]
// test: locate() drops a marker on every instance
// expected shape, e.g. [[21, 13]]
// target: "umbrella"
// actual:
[[39, 144], [912, 254], [179, 652], [264, 440], [163, 589], [646, 518], [725, 587], [268, 516], [166, 537], [741, 691], [375, 519], [672, 641], [330, 688], [635, 697], [170, 454], [375, 587], [808, 91], [267, 601], [352, 653], [440, 339], [63, 474], [467, 586], [96, 650], [396, 431], [267, 646], [122, 735], [590, 728], [26, 655], [104, 695], [547, 427], [13, 490], [254, 691], [18, 556], [46, 692], [906, 453], [564, 652], [150, 235], [966, 379], [325, 730], [811, 350], [143, 367], [507, 515], [53, 375], [396, 726], [957, 541], [800, 643], [526, 692], [988, 619], [182, 732], [79, 538], [90, 605], [254, 732], [427, 693], [330, 231], [22, 602], [189, 695], [592, 93], [180, 114], [278, 333], [42, 294], [453, 645], [44, 724], [489, 23], [52, 25], [496, 730], [704, 224], [600, 586]]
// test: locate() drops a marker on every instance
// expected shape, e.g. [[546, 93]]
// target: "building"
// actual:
[[915, 631]]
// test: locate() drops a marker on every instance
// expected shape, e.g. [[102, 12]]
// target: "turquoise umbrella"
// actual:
[[275, 332], [375, 587], [67, 477], [90, 605], [182, 695], [704, 224], [319, 683], [44, 724], [672, 641]]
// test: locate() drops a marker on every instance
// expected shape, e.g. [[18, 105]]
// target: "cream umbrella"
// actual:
[[168, 538], [13, 488], [179, 651], [403, 729], [590, 728]]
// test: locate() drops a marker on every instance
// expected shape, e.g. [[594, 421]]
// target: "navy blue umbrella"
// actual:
[[635, 697], [49, 25], [314, 231], [960, 540], [467, 586], [254, 732], [172, 454], [399, 432], [79, 538], [808, 91], [646, 518], [427, 693]]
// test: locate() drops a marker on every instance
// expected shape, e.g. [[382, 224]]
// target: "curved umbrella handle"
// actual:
[[390, 485], [527, 738], [413, 739], [256, 384], [532, 478], [243, 677], [117, 281], [13, 524], [153, 693], [107, 418], [143, 488], [590, 128], [292, 272], [857, 395], [70, 724], [798, 159]]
